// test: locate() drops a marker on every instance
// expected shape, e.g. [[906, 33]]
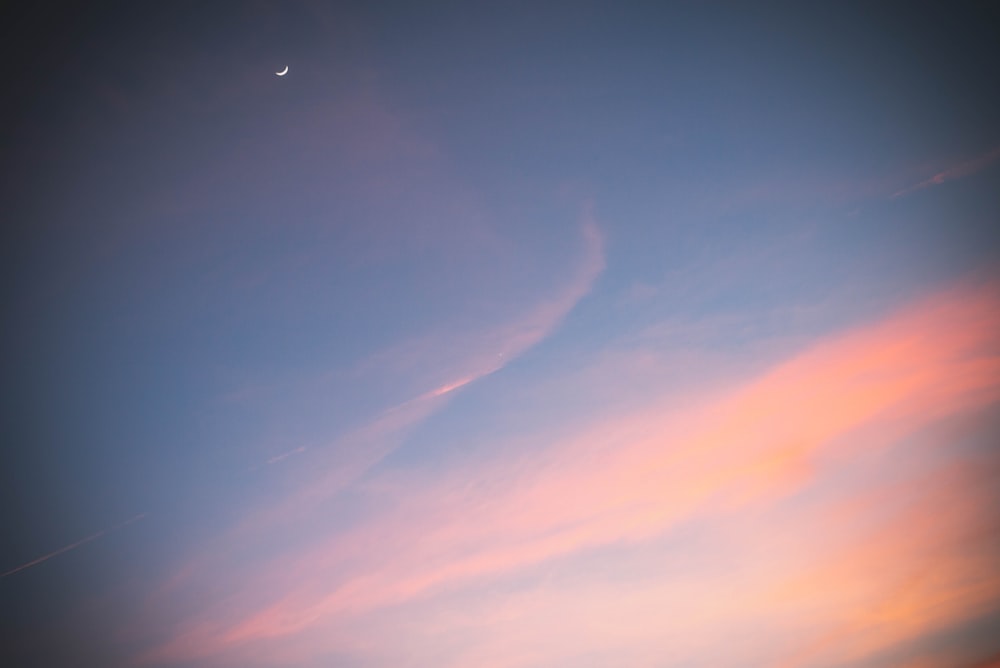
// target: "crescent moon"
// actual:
[[283, 72]]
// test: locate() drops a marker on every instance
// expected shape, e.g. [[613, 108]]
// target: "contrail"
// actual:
[[276, 459], [959, 171], [285, 455], [73, 546]]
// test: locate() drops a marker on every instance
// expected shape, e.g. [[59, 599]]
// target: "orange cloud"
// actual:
[[926, 569], [626, 480]]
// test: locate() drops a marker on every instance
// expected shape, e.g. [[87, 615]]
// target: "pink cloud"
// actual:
[[924, 570], [628, 479], [458, 353], [465, 358], [959, 171], [829, 585], [447, 361]]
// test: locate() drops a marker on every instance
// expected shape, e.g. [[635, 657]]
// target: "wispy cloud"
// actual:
[[932, 560], [447, 361], [73, 546], [455, 355], [959, 171], [466, 358], [630, 479], [279, 458]]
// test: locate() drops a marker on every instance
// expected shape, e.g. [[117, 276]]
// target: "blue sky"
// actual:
[[584, 334]]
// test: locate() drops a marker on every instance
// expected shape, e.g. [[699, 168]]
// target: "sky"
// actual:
[[500, 335]]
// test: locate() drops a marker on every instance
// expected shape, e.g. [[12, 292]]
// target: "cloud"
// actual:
[[278, 458], [953, 173], [445, 361], [923, 570], [831, 583], [73, 546], [458, 354], [466, 358], [822, 420]]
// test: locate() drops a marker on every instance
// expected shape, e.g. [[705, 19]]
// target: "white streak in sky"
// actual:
[[73, 546], [959, 171]]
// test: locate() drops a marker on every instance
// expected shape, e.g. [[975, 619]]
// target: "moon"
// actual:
[[283, 72]]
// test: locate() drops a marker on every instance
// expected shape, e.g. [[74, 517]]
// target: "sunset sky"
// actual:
[[500, 335]]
